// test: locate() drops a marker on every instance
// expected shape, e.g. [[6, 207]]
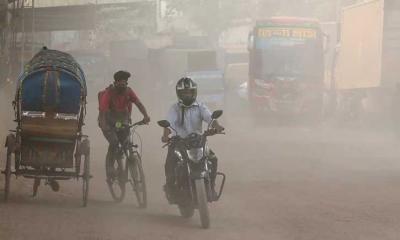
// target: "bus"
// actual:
[[286, 67]]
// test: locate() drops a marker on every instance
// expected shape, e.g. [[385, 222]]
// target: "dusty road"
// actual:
[[285, 182]]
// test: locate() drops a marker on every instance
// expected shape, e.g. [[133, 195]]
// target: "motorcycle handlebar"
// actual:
[[207, 133], [212, 132], [170, 140]]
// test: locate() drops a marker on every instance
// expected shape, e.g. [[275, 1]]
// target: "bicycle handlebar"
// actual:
[[128, 126], [137, 124]]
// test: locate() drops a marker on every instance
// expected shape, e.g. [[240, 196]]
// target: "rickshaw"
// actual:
[[50, 106]]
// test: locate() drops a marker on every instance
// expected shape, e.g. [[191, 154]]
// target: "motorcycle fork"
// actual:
[[183, 181], [190, 183], [204, 174]]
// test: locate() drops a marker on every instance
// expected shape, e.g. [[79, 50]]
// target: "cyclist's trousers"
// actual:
[[113, 139]]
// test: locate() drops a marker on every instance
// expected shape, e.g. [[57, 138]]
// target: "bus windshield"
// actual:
[[288, 54]]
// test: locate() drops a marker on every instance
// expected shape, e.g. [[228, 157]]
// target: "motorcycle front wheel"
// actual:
[[202, 203]]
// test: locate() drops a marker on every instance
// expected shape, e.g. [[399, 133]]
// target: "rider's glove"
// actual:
[[219, 129], [164, 139], [146, 119]]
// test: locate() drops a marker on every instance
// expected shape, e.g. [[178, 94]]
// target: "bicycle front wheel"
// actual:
[[137, 179]]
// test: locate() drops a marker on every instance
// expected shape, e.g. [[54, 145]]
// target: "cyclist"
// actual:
[[115, 107]]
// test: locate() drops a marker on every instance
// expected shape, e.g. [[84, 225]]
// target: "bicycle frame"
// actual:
[[128, 144]]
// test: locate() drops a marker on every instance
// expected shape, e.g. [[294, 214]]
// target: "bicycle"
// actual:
[[126, 166]]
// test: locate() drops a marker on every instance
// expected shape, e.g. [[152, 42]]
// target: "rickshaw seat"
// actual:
[[50, 126]]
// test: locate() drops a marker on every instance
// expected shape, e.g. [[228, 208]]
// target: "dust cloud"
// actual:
[[310, 111]]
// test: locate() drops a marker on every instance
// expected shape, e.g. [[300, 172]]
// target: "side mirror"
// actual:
[[216, 114], [164, 123]]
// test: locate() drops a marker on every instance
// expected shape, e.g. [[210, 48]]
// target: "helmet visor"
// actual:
[[187, 96]]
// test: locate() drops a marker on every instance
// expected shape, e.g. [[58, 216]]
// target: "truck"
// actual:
[[367, 61], [286, 68]]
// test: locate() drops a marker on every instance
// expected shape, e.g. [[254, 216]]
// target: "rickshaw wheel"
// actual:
[[36, 184], [7, 174], [86, 172], [86, 179]]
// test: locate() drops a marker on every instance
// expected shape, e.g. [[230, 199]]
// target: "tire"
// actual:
[[86, 179], [138, 180], [78, 160], [7, 174], [186, 211], [202, 203], [117, 185], [36, 184]]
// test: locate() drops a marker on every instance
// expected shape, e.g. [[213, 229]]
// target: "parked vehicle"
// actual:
[[366, 67]]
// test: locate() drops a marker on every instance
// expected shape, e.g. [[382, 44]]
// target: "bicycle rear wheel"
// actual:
[[137, 180]]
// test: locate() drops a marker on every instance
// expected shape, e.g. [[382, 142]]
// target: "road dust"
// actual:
[[284, 182], [337, 179]]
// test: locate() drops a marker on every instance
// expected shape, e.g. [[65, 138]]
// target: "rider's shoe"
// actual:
[[112, 174], [170, 194]]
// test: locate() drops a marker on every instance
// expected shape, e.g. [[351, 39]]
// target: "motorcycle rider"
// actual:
[[115, 107], [186, 117]]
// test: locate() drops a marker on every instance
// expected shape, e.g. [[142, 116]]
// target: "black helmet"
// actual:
[[186, 90], [121, 75]]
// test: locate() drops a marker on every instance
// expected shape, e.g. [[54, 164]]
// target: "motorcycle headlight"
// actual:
[[195, 154], [178, 154]]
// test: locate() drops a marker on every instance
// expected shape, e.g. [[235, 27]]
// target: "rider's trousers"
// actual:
[[171, 161]]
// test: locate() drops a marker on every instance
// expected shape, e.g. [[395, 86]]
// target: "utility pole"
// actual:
[[23, 35], [3, 25], [33, 28], [3, 38]]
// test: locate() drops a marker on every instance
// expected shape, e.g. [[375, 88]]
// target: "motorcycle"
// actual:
[[193, 172]]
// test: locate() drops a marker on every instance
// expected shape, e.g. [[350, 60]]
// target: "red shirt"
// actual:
[[118, 102]]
